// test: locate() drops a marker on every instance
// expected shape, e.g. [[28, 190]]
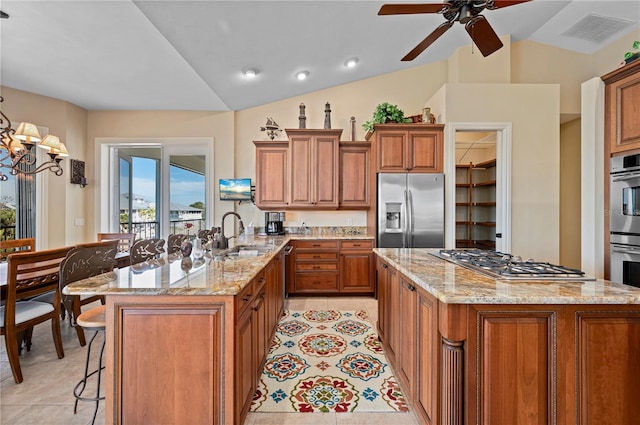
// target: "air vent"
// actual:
[[597, 28]]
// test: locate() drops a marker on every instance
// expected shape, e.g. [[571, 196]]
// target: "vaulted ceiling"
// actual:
[[188, 55]]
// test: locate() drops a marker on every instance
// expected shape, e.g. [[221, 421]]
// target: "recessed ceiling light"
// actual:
[[302, 75], [351, 63], [250, 73]]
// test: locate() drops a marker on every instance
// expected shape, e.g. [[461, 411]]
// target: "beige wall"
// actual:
[[408, 89], [570, 194], [58, 196], [151, 126], [535, 130], [533, 111]]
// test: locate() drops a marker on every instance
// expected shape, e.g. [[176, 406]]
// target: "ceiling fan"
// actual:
[[466, 12]]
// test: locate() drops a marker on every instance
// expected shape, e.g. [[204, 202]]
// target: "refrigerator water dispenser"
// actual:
[[394, 221]]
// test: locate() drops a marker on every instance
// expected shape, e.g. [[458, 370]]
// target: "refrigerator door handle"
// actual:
[[405, 219], [410, 226]]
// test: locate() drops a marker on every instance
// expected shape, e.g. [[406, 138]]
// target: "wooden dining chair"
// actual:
[[125, 240], [84, 261], [30, 274], [146, 249], [16, 245], [174, 242]]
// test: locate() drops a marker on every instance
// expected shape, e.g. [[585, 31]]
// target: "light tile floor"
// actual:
[[45, 396]]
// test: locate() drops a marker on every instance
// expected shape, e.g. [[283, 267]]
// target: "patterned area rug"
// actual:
[[327, 361]]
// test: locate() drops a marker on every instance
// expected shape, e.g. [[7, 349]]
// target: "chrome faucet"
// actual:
[[224, 241]]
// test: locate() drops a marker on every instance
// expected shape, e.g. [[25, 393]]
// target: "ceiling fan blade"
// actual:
[[497, 4], [428, 41], [410, 9], [484, 37]]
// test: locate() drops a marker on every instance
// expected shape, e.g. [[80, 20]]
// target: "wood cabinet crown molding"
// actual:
[[622, 72]]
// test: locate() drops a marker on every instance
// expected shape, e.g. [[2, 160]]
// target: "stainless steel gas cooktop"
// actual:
[[506, 266]]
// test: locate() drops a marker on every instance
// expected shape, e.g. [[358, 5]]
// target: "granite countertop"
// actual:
[[455, 284], [165, 276]]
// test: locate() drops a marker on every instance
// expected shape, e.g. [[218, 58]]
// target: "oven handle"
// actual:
[[625, 177], [626, 250]]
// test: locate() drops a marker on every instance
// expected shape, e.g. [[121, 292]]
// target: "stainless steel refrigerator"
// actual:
[[410, 210]]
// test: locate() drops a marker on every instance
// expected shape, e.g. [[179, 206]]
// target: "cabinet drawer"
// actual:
[[359, 244], [320, 282], [317, 266], [244, 298], [306, 256], [317, 244]]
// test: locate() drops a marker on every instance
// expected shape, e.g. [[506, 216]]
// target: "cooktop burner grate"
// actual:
[[507, 266]]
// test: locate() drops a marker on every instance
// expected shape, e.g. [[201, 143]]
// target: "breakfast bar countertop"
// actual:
[[165, 276], [454, 284]]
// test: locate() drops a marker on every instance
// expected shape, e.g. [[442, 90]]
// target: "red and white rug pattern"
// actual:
[[327, 361]]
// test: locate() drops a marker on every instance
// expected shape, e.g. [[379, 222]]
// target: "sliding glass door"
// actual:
[[158, 190]]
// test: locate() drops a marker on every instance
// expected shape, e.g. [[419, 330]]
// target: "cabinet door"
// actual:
[[622, 99], [300, 152], [426, 386], [383, 298], [356, 271], [261, 339], [245, 363], [354, 176], [424, 152], [391, 151], [325, 169], [407, 349], [393, 315], [271, 176]]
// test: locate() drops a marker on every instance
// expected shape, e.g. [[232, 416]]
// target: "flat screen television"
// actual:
[[235, 190]]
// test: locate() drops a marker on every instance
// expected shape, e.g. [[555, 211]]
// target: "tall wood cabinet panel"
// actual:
[[622, 108], [313, 166], [272, 174], [414, 148], [407, 350], [354, 192]]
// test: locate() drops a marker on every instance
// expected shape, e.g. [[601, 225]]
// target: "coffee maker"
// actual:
[[274, 223]]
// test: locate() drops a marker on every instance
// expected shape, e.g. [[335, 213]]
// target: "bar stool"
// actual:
[[91, 320]]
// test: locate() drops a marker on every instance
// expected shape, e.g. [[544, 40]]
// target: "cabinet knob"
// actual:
[[316, 256], [384, 266], [316, 267]]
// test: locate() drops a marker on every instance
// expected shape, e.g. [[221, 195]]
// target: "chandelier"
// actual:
[[17, 149]]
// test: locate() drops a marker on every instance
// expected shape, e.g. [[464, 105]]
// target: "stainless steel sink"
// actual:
[[248, 251]]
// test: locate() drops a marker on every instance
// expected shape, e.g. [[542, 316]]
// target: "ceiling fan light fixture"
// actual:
[[351, 63], [302, 75], [250, 73]]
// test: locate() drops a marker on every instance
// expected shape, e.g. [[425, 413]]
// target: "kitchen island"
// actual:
[[186, 339], [471, 349]]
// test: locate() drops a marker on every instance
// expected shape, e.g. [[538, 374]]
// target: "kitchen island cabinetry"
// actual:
[[272, 179], [622, 107], [313, 162], [413, 148], [527, 352], [185, 357]]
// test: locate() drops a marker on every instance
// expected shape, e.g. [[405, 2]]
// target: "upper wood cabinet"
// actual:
[[355, 167], [313, 166], [414, 148], [622, 108], [272, 174]]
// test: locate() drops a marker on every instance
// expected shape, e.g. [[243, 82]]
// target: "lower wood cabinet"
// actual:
[[333, 267], [508, 363], [406, 352]]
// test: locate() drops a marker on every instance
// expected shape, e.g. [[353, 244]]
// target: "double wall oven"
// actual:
[[624, 213]]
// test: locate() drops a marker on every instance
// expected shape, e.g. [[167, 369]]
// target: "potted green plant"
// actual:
[[631, 56], [384, 113]]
